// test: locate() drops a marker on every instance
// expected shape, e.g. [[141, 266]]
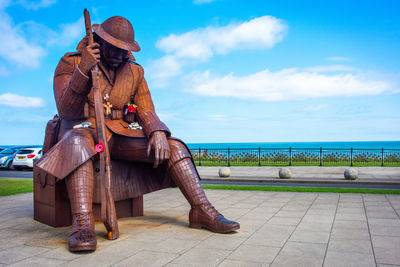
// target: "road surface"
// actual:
[[29, 174]]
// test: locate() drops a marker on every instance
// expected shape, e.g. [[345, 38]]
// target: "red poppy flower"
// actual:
[[131, 109], [99, 147]]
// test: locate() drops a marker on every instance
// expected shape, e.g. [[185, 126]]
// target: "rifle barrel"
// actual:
[[88, 26]]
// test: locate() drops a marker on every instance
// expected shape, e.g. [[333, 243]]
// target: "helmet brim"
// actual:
[[134, 47]]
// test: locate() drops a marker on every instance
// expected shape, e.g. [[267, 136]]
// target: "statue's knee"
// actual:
[[178, 151], [77, 146], [79, 136]]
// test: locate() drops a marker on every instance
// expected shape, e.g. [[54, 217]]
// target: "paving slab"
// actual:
[[147, 258], [298, 261], [349, 259], [202, 257], [237, 263], [309, 236], [350, 246], [308, 250], [262, 254], [38, 261], [277, 229], [387, 255]]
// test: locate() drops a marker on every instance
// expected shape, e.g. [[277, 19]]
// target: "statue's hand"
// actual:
[[90, 57], [159, 144]]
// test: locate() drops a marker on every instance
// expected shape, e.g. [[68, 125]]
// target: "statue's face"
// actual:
[[112, 55]]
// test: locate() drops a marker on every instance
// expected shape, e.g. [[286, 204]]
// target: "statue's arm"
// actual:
[[147, 116], [71, 88]]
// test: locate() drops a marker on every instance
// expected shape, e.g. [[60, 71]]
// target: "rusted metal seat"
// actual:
[[130, 181]]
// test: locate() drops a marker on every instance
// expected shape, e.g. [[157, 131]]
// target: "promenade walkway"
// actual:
[[305, 174], [277, 229]]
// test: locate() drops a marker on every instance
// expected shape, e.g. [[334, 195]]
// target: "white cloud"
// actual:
[[338, 58], [162, 69], [259, 33], [201, 44], [331, 68], [14, 100], [30, 5], [24, 45], [287, 84], [67, 33], [315, 108], [35, 5], [14, 47], [199, 2]]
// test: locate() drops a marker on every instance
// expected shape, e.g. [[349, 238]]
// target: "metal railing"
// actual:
[[296, 157]]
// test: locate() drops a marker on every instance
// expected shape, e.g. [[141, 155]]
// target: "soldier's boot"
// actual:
[[202, 213], [80, 191]]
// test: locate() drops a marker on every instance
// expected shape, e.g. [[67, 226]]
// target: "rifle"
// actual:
[[108, 212]]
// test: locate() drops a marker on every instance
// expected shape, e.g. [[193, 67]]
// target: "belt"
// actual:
[[69, 124], [116, 114]]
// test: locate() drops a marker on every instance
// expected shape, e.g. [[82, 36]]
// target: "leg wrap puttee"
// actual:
[[185, 175], [80, 188]]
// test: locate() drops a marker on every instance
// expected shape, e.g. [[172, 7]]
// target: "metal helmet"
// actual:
[[118, 31]]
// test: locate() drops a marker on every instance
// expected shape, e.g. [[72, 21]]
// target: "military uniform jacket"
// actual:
[[74, 97], [75, 104]]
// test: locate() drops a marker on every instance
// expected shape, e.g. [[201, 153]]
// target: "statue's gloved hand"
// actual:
[[159, 144], [90, 57]]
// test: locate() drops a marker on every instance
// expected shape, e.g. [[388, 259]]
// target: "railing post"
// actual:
[[382, 158], [351, 157], [320, 156], [290, 156], [199, 156], [259, 156], [229, 157]]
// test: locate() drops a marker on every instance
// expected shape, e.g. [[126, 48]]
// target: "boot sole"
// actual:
[[83, 248], [199, 226]]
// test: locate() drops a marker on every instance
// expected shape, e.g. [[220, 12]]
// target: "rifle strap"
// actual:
[[102, 187]]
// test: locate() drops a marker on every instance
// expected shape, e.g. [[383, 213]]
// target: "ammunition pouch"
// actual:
[[52, 130]]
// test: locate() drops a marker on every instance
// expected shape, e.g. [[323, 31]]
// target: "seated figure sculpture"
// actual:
[[127, 103]]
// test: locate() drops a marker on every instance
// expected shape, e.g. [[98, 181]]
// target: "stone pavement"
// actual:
[[277, 229], [306, 174]]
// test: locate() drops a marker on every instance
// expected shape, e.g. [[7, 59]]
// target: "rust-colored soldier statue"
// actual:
[[126, 100]]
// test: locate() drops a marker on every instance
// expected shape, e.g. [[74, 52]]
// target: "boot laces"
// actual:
[[83, 225], [85, 235], [210, 208], [82, 221]]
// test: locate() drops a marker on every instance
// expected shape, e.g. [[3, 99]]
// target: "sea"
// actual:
[[331, 145]]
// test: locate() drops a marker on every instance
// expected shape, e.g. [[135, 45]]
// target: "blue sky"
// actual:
[[222, 71]]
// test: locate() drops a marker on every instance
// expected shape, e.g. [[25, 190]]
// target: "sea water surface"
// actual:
[[331, 145]]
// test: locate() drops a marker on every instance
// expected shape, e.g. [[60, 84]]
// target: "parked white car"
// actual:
[[7, 156], [25, 156]]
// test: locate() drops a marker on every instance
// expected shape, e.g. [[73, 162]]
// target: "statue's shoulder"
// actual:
[[68, 62], [133, 62], [72, 54], [70, 57], [135, 67]]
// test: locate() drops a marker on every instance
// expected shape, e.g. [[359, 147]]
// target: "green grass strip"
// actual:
[[13, 186], [304, 189]]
